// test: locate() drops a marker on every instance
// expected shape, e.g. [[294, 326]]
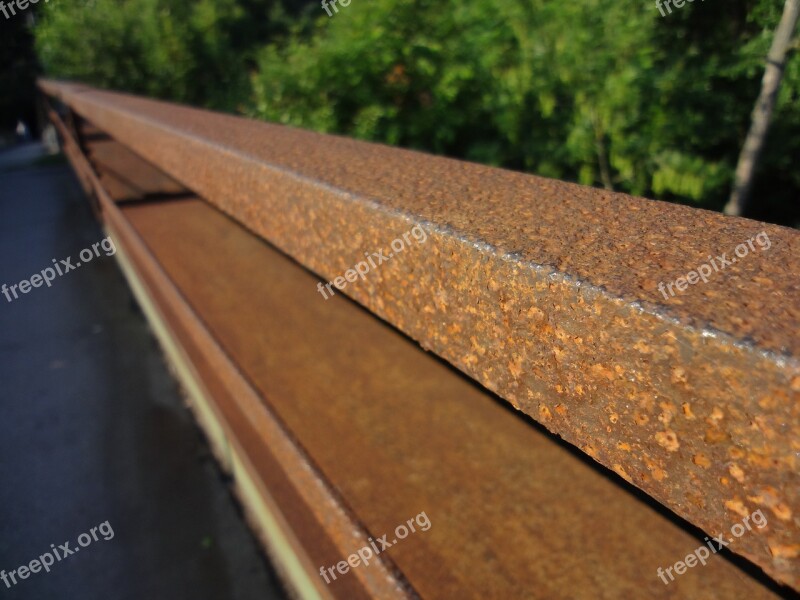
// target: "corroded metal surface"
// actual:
[[322, 527], [545, 292], [513, 513], [320, 524]]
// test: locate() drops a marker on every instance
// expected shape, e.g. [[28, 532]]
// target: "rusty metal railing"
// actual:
[[659, 339]]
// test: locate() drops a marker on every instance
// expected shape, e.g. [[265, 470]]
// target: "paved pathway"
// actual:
[[92, 426]]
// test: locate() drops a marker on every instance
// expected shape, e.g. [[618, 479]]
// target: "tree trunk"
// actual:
[[776, 61], [602, 155]]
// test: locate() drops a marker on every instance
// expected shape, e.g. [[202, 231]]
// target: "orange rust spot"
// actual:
[[641, 419], [454, 329], [506, 303], [668, 440], [701, 460], [476, 346], [535, 314], [759, 460], [624, 446], [619, 321], [658, 473], [678, 375], [687, 411], [736, 472], [715, 417], [622, 473], [763, 425], [545, 413], [770, 497], [724, 481], [696, 499], [737, 506], [782, 511], [736, 453], [590, 450], [613, 417], [669, 412], [768, 402], [561, 409], [779, 550], [715, 435], [601, 371], [470, 359], [763, 280]]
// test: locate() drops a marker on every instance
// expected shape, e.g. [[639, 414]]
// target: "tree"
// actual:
[[197, 52], [754, 143], [598, 91], [18, 71]]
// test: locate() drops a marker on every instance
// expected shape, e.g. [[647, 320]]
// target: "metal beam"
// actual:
[[545, 292]]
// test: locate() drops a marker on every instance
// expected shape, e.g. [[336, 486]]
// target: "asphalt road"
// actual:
[[93, 428]]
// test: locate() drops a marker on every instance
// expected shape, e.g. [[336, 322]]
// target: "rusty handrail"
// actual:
[[560, 298]]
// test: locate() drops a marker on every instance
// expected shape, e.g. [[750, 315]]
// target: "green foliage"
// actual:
[[598, 91], [193, 51], [567, 90]]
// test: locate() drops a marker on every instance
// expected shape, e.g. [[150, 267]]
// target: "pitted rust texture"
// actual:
[[315, 515], [543, 291], [514, 514], [312, 510]]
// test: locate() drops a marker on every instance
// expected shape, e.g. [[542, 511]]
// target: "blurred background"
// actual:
[[606, 93]]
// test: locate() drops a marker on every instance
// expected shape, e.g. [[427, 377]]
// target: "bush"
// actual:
[[193, 51], [599, 91]]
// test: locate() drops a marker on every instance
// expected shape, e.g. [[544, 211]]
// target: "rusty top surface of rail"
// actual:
[[545, 292], [621, 244]]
